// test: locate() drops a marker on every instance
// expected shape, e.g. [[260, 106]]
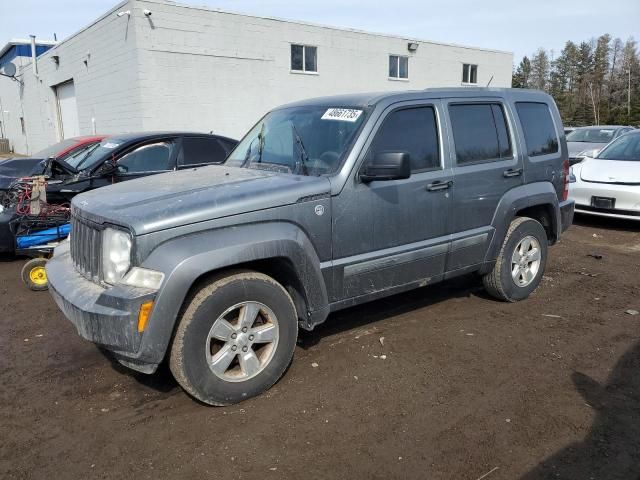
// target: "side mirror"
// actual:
[[387, 166], [109, 167]]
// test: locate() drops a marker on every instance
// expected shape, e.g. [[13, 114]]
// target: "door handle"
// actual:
[[438, 185], [512, 172]]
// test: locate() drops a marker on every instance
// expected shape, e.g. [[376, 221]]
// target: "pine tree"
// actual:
[[540, 69]]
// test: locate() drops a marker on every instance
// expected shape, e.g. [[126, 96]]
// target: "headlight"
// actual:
[[116, 254], [143, 278]]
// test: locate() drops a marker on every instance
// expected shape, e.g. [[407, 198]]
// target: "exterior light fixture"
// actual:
[[412, 46]]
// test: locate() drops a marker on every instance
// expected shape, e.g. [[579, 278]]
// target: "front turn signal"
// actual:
[[143, 316]]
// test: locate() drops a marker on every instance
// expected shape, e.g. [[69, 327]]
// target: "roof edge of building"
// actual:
[[332, 27]]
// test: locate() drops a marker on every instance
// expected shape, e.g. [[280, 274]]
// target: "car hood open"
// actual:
[[21, 167], [610, 171], [180, 198]]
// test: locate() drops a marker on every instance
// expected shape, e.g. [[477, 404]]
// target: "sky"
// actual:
[[513, 25]]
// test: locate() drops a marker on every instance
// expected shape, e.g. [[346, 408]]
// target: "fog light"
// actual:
[[143, 278], [143, 316]]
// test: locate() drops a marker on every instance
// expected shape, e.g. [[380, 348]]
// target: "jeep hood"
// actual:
[[180, 198], [610, 171]]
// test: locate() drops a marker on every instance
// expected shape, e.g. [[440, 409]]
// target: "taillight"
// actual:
[[565, 176]]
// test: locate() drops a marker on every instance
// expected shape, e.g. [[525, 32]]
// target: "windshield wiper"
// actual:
[[261, 136], [247, 155], [89, 151], [303, 152]]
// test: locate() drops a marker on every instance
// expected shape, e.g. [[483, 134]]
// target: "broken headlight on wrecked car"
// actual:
[[116, 254]]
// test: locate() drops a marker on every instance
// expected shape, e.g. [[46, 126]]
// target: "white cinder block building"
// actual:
[[192, 68]]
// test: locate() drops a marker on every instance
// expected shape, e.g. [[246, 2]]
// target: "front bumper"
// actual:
[[627, 199], [105, 316]]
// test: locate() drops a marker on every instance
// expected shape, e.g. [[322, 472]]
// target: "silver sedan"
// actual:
[[609, 184]]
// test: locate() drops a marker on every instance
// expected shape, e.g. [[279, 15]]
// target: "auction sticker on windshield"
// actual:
[[342, 114]]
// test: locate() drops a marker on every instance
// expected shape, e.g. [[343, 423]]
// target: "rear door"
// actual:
[[486, 165]]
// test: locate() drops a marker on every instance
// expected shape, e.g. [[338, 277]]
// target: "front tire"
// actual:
[[235, 339], [521, 262]]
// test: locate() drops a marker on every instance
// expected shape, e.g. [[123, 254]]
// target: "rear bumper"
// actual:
[[566, 214], [105, 316]]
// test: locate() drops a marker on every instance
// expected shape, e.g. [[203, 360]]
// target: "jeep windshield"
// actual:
[[305, 140]]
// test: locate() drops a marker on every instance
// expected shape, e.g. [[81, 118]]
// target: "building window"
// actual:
[[469, 73], [398, 66], [304, 58]]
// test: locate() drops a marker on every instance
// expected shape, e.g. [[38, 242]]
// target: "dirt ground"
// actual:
[[461, 387]]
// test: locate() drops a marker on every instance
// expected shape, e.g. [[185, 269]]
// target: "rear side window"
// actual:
[[539, 131], [412, 130], [201, 150], [480, 133]]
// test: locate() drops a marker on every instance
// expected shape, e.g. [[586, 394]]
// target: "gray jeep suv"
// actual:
[[324, 204]]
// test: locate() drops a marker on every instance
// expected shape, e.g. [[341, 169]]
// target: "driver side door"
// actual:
[[150, 158], [392, 233]]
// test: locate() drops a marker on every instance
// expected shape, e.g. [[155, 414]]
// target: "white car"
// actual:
[[609, 184]]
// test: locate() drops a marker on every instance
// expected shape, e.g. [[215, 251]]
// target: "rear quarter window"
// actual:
[[539, 131], [202, 150]]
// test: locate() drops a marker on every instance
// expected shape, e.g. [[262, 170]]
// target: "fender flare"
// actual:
[[518, 198], [185, 259]]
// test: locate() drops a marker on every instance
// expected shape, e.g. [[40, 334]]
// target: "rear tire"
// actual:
[[34, 274], [521, 262], [235, 338]]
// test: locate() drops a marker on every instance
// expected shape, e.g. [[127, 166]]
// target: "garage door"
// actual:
[[67, 110]]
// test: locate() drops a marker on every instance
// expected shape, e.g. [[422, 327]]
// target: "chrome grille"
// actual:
[[86, 241]]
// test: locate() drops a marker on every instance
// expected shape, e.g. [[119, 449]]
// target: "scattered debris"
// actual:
[[383, 357], [631, 312], [382, 341], [104, 410], [488, 473], [273, 469], [39, 335], [356, 377], [26, 339], [595, 235], [314, 365], [470, 334], [597, 256], [587, 274], [550, 315], [399, 458], [508, 420]]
